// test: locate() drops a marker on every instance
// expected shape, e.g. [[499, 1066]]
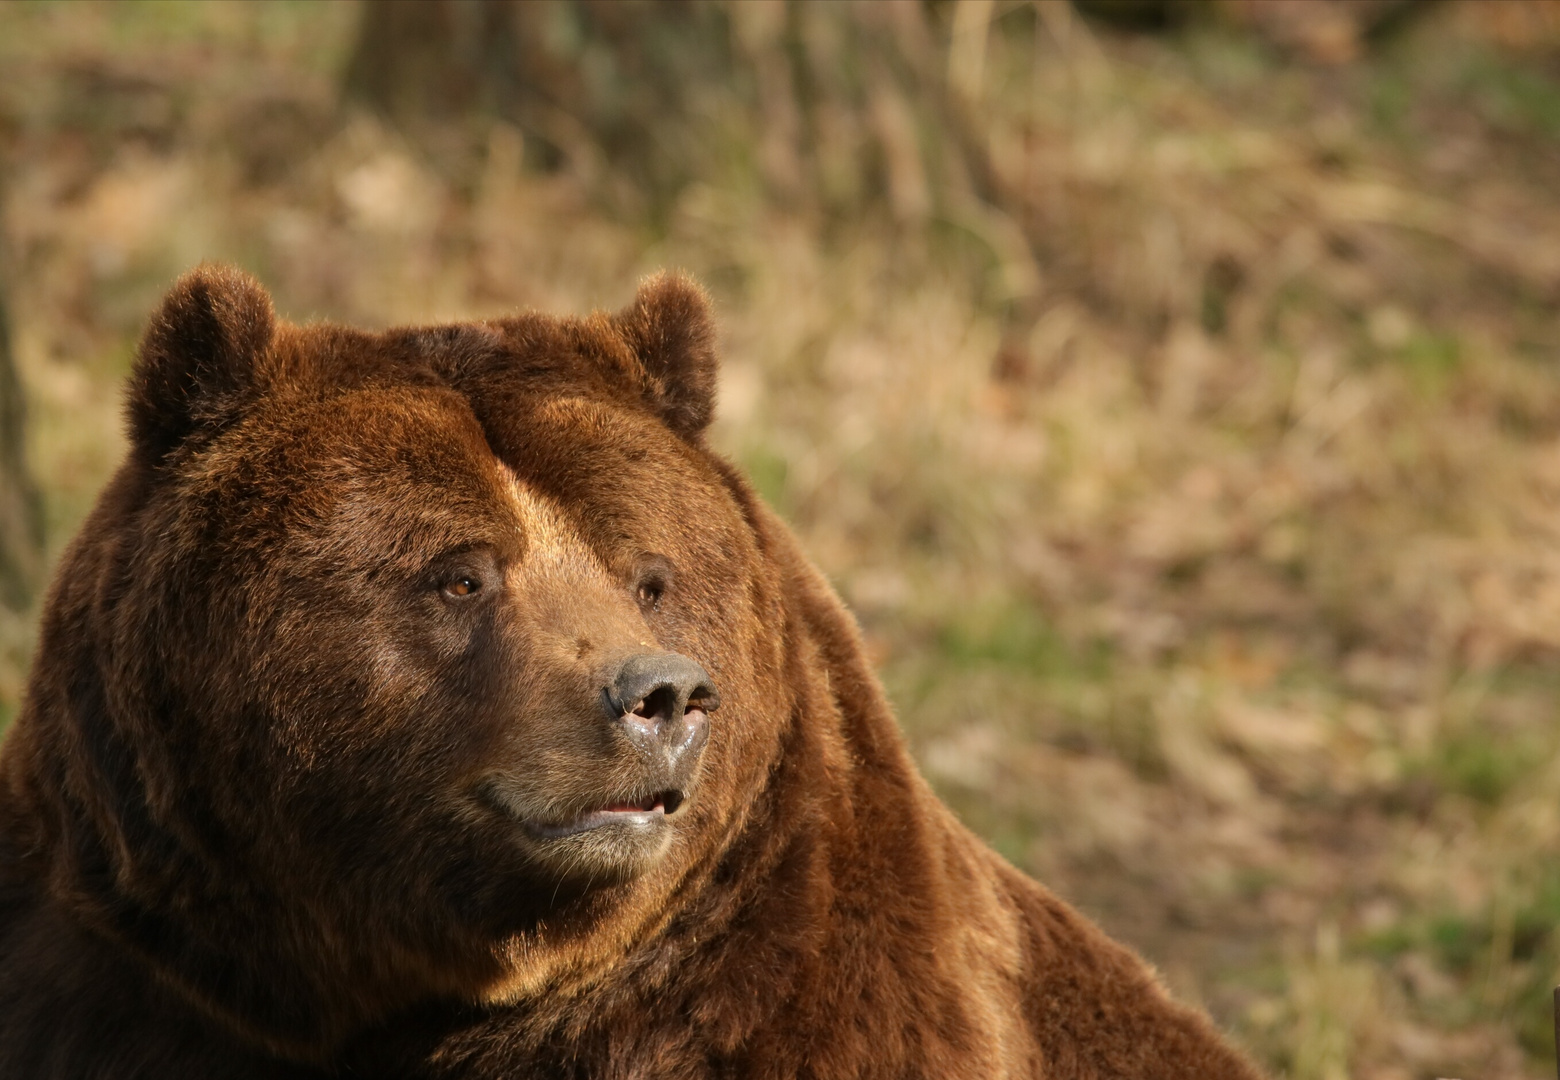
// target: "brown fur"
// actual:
[[260, 816]]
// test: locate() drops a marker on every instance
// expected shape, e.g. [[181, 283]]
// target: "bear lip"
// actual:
[[638, 813]]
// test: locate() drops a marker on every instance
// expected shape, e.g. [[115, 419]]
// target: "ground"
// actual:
[[1224, 599]]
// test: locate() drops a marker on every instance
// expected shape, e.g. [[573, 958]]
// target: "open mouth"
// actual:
[[645, 813], [665, 802]]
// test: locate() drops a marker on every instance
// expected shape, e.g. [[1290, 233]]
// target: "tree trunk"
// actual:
[[591, 83], [848, 99], [21, 518], [838, 110]]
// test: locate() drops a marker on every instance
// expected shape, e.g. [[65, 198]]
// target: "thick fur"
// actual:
[[243, 823]]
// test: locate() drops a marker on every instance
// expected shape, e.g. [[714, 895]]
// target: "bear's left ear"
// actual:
[[671, 330], [197, 362]]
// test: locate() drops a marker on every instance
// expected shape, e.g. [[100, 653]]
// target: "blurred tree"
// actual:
[[1320, 31], [859, 107], [21, 518], [590, 82], [856, 102], [21, 509]]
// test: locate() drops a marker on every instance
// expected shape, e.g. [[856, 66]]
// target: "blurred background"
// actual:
[[1173, 390]]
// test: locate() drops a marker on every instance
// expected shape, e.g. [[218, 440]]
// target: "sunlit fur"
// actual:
[[247, 817]]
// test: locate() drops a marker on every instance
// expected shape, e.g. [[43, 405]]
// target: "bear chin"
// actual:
[[612, 841]]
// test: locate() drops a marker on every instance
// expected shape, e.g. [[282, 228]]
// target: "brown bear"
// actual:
[[436, 703]]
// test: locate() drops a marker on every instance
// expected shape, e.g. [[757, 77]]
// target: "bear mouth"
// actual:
[[635, 814]]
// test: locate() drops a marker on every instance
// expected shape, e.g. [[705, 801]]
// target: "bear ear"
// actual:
[[671, 330], [196, 364]]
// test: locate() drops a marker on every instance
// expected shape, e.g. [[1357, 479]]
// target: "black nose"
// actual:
[[660, 701]]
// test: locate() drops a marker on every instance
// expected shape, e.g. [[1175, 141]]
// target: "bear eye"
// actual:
[[463, 576], [654, 578], [462, 585]]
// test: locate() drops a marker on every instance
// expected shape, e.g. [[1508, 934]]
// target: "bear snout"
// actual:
[[660, 703]]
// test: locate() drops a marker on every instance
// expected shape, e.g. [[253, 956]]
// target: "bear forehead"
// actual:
[[414, 433], [408, 471], [528, 397]]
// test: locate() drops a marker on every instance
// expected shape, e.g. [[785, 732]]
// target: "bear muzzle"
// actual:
[[654, 708], [660, 703]]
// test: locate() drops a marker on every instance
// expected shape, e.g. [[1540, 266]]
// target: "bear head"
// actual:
[[435, 661]]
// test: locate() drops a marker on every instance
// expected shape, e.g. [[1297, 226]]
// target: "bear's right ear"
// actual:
[[197, 360], [671, 331]]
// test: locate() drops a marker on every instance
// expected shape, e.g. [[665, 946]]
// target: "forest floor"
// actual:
[[1226, 601]]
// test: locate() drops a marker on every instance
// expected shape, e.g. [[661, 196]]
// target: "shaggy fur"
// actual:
[[326, 662]]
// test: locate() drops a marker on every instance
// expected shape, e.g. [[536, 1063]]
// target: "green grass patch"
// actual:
[[1389, 100], [1431, 359], [1457, 942], [1007, 664], [1389, 943], [1019, 637], [1519, 97], [1483, 766], [768, 472]]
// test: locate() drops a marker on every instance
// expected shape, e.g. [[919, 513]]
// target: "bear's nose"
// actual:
[[661, 702]]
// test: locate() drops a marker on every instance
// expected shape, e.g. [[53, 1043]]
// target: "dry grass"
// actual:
[[1226, 600]]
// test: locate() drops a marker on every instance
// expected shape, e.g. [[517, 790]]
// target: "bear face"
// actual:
[[443, 620]]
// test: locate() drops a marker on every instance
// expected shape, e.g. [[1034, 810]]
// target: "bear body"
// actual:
[[435, 703]]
